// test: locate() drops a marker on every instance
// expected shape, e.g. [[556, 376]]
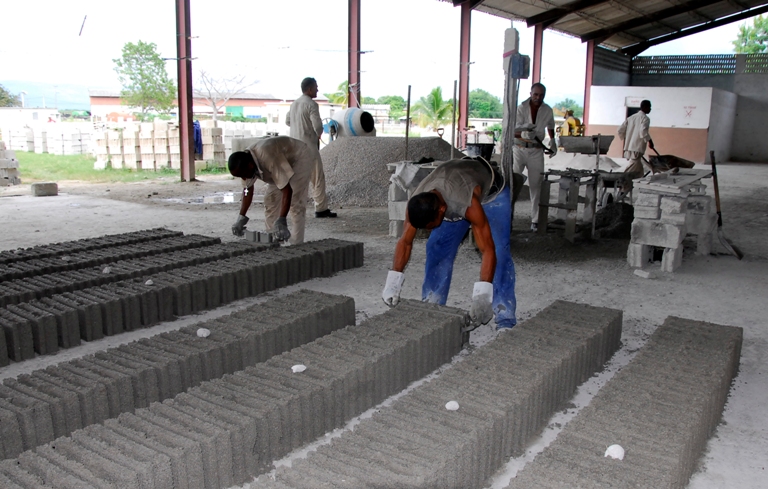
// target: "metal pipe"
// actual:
[[407, 121], [453, 121]]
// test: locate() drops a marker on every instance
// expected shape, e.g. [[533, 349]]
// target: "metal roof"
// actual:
[[628, 25]]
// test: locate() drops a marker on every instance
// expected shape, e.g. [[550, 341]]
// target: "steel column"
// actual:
[[184, 66], [588, 83], [538, 44], [354, 99], [466, 23]]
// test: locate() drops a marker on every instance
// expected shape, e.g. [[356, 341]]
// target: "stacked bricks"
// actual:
[[131, 149], [146, 145], [225, 431], [234, 131], [56, 401], [661, 409], [506, 392], [115, 148], [213, 145], [101, 150], [174, 148], [663, 219], [9, 167], [41, 141], [67, 139], [21, 139], [160, 145], [138, 293]]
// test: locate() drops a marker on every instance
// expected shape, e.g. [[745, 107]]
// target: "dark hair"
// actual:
[[423, 209], [540, 85], [306, 82], [645, 103], [239, 161]]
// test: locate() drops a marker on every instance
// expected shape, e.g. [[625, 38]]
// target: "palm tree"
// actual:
[[432, 111], [339, 97]]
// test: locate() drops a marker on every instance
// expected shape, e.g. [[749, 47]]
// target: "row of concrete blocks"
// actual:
[[226, 431], [43, 326], [76, 246], [661, 409], [506, 392], [61, 399], [36, 287], [80, 260]]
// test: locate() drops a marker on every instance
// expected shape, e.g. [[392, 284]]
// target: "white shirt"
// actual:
[[545, 119], [304, 120], [634, 132]]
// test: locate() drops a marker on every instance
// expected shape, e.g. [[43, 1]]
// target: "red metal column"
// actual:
[[538, 43], [184, 65], [466, 22], [588, 83], [353, 91]]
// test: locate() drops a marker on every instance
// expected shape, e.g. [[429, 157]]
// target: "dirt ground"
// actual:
[[716, 288]]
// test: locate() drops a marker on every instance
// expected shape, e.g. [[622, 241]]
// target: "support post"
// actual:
[[453, 120], [511, 45], [588, 83], [407, 121], [184, 72], [354, 99], [538, 45], [466, 18]]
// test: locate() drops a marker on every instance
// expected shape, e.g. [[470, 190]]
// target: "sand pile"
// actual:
[[356, 167]]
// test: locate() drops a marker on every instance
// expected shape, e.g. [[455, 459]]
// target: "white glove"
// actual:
[[552, 147], [238, 228], [529, 135], [481, 310], [281, 232], [391, 294]]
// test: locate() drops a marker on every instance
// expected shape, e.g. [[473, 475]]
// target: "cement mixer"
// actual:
[[350, 122]]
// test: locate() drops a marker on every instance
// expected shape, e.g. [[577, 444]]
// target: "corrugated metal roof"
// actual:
[[618, 24]]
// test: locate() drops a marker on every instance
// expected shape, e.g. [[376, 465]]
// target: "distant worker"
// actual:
[[533, 118], [572, 125], [456, 194], [634, 132], [285, 165], [308, 127]]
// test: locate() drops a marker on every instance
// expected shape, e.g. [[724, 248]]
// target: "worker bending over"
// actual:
[[450, 199], [634, 131], [285, 165]]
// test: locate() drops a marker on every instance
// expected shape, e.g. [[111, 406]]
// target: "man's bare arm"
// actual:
[[245, 203], [482, 232], [404, 246], [285, 205]]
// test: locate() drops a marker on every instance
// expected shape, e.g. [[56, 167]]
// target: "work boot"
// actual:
[[534, 227], [325, 213]]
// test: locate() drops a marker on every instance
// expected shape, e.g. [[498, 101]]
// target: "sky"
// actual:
[[51, 53]]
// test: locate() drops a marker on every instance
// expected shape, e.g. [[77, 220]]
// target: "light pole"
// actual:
[[22, 98]]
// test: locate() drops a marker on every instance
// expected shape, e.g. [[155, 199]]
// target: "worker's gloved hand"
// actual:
[[552, 147], [238, 228], [391, 294], [281, 232], [481, 310]]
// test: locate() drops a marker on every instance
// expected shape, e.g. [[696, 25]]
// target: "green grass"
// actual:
[[36, 167]]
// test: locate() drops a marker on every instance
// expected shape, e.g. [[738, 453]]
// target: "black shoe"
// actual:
[[325, 213]]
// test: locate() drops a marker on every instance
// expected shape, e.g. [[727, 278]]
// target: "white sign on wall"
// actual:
[[633, 102], [684, 107]]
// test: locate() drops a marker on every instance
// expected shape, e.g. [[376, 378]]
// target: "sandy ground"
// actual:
[[717, 288]]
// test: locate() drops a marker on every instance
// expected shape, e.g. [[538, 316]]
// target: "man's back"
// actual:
[[634, 132], [304, 121]]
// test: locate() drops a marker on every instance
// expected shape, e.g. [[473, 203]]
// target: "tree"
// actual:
[[752, 39], [369, 100], [7, 99], [569, 104], [145, 81], [339, 97], [483, 105], [432, 111], [218, 91], [396, 105]]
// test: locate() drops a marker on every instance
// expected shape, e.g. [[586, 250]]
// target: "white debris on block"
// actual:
[[203, 332], [297, 369], [615, 452], [452, 406]]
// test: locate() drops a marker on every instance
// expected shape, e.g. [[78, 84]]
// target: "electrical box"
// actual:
[[520, 66]]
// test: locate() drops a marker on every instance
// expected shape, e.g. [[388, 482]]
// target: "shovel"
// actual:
[[723, 240]]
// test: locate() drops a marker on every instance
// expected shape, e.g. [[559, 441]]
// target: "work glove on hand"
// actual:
[[391, 294], [238, 228], [481, 310], [552, 147], [281, 232]]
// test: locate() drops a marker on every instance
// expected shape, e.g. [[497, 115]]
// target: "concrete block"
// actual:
[[64, 405], [638, 255], [700, 204], [647, 199], [45, 189], [673, 205], [265, 237], [44, 328], [704, 244], [657, 234], [642, 212], [397, 210], [645, 273], [676, 219], [701, 223], [396, 194], [34, 417], [18, 336], [671, 259], [4, 358], [252, 236]]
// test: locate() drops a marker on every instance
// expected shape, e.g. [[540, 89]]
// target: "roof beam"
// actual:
[[647, 19], [549, 17], [472, 3], [638, 48]]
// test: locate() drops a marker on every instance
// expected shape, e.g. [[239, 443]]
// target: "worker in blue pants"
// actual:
[[448, 201]]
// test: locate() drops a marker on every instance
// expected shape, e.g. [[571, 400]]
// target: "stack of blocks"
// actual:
[[101, 150], [213, 145], [131, 149], [115, 147], [174, 148], [41, 141], [663, 220], [146, 146], [21, 139], [9, 167], [160, 143], [63, 139]]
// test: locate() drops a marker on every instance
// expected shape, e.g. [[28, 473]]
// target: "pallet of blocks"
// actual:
[[213, 145], [115, 146], [9, 167], [21, 139], [41, 141], [146, 145], [65, 140], [131, 149], [101, 150], [174, 149], [160, 145]]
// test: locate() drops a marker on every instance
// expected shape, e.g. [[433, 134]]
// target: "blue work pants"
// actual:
[[443, 244]]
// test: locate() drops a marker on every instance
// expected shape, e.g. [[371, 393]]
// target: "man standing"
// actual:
[[533, 118], [447, 201], [308, 127], [634, 132], [285, 165]]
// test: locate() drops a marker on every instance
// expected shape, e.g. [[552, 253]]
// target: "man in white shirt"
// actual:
[[634, 132], [304, 120], [533, 118]]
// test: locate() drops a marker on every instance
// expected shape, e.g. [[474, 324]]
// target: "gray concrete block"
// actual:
[[18, 335], [656, 233], [92, 396], [64, 405], [650, 213], [671, 259], [44, 328], [55, 470], [34, 417], [67, 321], [44, 189], [118, 380], [144, 380], [11, 437]]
